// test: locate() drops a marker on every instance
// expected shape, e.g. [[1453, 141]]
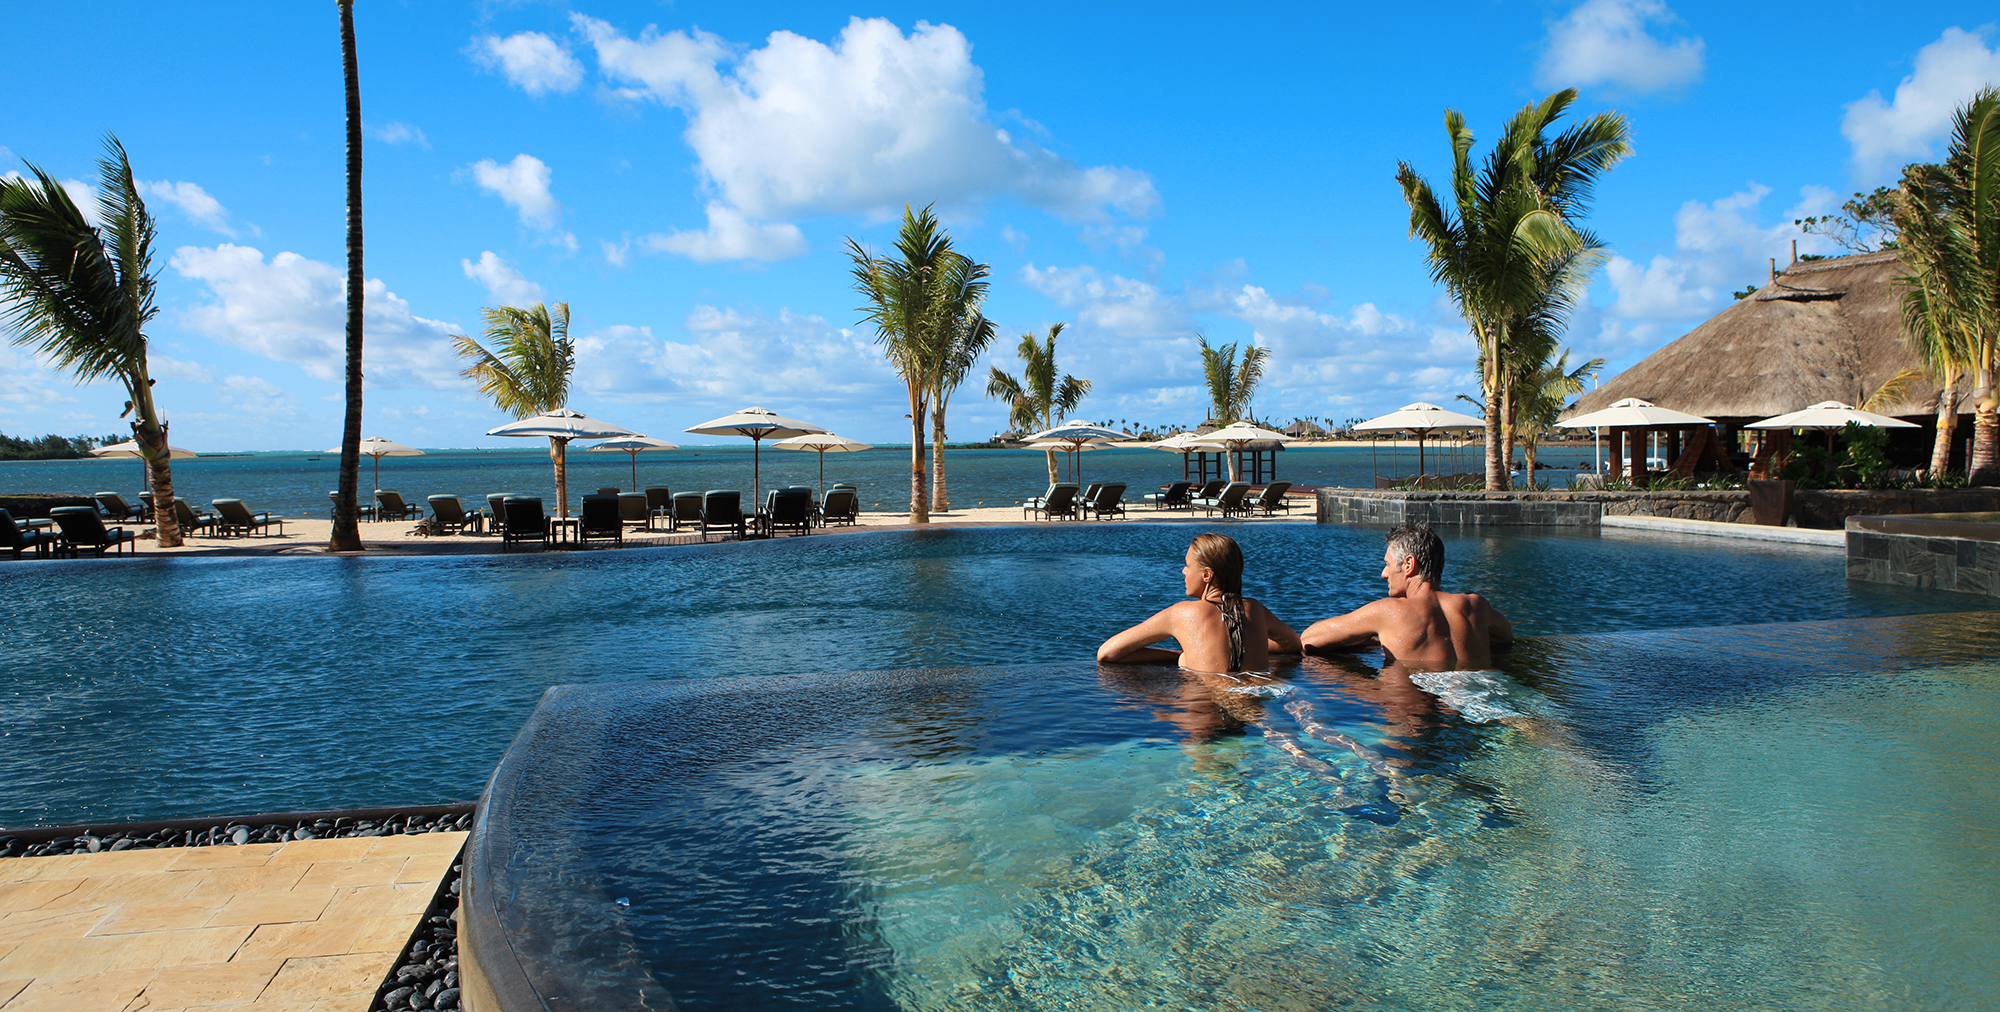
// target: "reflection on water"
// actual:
[[1792, 816]]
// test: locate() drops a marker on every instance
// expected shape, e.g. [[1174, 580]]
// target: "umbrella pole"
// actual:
[[378, 469], [1420, 458], [822, 474], [635, 469], [756, 477]]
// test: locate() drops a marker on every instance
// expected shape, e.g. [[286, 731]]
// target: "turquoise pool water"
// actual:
[[1787, 816], [160, 688]]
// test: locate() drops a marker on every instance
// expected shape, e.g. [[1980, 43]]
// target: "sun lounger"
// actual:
[[632, 509], [232, 517], [525, 522], [1058, 501], [1272, 499], [1090, 491], [1208, 490], [496, 510], [84, 531], [193, 523], [365, 509], [788, 509], [1175, 497], [602, 520], [687, 510], [659, 505], [1108, 503], [722, 509], [112, 506], [842, 506], [394, 508], [448, 515], [16, 540], [1229, 503]]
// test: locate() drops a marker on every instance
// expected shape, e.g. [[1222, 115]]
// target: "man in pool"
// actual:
[[1418, 626]]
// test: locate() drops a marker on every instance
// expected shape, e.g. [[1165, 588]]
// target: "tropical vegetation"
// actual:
[[1042, 393], [1947, 217], [81, 296], [1231, 382], [346, 516], [52, 446], [921, 300], [967, 339], [528, 370], [1508, 250]]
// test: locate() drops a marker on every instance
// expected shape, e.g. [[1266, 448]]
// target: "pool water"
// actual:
[[161, 687], [1796, 816]]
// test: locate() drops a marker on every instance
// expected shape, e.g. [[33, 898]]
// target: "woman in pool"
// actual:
[[1219, 631]]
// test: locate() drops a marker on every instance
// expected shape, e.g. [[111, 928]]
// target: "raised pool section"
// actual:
[[1794, 815]]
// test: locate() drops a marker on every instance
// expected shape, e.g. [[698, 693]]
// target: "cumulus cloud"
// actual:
[[506, 286], [1118, 305], [524, 185], [254, 395], [162, 367], [731, 236], [862, 126], [1885, 134], [1608, 42], [292, 309], [1320, 359], [533, 62], [398, 132], [192, 201]]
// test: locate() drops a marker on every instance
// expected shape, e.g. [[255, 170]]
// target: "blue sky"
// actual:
[[685, 175]]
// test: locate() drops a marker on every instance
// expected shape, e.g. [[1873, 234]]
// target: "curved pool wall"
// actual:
[[173, 687], [1793, 815]]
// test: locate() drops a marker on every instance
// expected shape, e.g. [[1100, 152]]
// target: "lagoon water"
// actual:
[[296, 484]]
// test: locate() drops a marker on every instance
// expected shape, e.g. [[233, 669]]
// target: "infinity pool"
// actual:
[[1786, 816], [156, 688]]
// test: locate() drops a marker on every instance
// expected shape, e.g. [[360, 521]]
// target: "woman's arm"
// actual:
[[1132, 645], [1279, 637]]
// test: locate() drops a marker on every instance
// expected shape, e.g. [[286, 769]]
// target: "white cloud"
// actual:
[[524, 185], [192, 201], [507, 286], [730, 236], [535, 63], [1948, 73], [865, 125], [398, 132], [1320, 359], [162, 367], [1607, 42], [1118, 305], [734, 357], [254, 395], [292, 309]]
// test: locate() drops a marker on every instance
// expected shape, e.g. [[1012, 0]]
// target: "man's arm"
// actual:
[[1499, 632], [1357, 629], [1131, 646]]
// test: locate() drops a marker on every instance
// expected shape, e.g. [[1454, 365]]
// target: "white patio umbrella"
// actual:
[[1633, 413], [1422, 418], [635, 445], [1185, 442], [377, 447], [130, 448], [1235, 434], [758, 424], [1069, 447], [561, 426], [1074, 435], [824, 443], [1831, 416]]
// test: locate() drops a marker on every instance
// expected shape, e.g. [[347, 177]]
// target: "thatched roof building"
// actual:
[[1821, 330], [1302, 429]]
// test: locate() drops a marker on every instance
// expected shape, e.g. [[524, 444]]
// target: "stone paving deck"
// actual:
[[280, 927], [1746, 532]]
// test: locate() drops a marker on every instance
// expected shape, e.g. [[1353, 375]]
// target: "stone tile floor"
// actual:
[[282, 927]]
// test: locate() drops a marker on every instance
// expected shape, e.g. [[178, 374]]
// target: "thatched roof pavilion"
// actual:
[[1821, 330]]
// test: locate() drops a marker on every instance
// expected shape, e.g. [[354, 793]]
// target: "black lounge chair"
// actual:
[[525, 522], [112, 506], [842, 506], [496, 510], [1108, 503], [722, 509], [193, 523], [687, 510], [602, 520], [659, 505], [394, 508], [788, 509], [448, 515], [232, 517], [1229, 503], [632, 509], [1090, 491], [1058, 501], [1208, 490], [1175, 497], [84, 531], [366, 510], [1272, 499], [16, 540]]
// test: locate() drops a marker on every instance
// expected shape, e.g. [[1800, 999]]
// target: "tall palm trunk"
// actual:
[[1947, 426], [1985, 465], [151, 435], [920, 500], [559, 452], [346, 525], [940, 500], [1054, 474], [1496, 446]]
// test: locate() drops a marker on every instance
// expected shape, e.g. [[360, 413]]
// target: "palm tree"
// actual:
[[84, 302], [970, 336], [1544, 392], [528, 372], [1040, 395], [1935, 338], [917, 300], [1508, 237], [1231, 384], [1949, 218], [346, 518]]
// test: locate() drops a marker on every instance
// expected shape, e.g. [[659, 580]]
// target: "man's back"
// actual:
[[1417, 624]]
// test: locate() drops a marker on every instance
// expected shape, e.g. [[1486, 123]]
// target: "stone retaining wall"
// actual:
[[1828, 509], [1903, 560], [1815, 509]]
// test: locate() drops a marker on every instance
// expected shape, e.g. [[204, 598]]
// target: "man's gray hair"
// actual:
[[1417, 541]]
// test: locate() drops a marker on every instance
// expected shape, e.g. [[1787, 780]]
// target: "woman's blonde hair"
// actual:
[[1224, 561]]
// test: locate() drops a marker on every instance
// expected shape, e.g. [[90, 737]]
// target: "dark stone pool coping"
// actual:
[[1945, 551]]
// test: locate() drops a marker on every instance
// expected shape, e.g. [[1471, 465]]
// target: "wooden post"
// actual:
[[1638, 440], [1615, 439]]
